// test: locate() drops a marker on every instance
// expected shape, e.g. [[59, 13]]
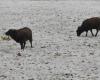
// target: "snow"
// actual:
[[57, 53]]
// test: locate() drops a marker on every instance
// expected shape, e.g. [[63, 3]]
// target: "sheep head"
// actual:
[[11, 32]]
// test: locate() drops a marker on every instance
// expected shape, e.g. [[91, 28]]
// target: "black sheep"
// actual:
[[89, 24], [20, 35]]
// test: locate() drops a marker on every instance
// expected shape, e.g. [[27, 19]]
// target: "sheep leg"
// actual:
[[22, 46], [91, 32], [86, 33], [96, 32], [31, 43]]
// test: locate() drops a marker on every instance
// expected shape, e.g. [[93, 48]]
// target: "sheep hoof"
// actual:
[[95, 35], [18, 54]]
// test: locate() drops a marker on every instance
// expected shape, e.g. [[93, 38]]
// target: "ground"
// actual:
[[57, 53]]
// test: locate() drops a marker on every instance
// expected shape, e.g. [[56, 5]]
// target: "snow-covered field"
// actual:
[[58, 53]]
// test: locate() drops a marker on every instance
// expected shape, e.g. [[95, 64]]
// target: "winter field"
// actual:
[[58, 54]]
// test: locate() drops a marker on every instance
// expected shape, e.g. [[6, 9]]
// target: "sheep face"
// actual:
[[10, 32], [79, 31]]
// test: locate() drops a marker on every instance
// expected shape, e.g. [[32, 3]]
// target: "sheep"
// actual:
[[89, 24], [21, 36]]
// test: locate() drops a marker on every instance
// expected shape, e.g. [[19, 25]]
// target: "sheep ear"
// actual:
[[79, 26], [12, 32]]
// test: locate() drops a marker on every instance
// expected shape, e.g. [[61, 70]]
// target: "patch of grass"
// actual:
[[4, 38]]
